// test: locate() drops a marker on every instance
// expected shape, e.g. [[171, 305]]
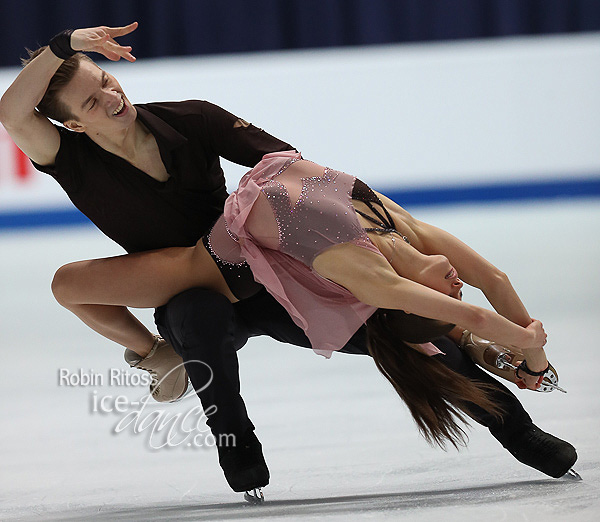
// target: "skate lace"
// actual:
[[154, 384]]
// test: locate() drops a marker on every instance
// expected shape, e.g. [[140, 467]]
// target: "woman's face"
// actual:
[[437, 273]]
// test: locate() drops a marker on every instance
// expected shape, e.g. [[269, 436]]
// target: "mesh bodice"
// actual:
[[312, 213]]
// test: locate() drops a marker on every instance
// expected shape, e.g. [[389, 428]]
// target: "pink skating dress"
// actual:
[[289, 236], [322, 216]]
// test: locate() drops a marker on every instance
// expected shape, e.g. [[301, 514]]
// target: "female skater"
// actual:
[[335, 254]]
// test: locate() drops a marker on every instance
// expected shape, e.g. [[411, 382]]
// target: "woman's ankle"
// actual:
[[144, 347]]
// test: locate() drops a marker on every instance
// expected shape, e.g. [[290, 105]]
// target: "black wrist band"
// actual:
[[523, 366], [60, 45]]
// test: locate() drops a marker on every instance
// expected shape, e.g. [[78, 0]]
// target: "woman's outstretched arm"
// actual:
[[477, 271], [472, 268], [373, 280]]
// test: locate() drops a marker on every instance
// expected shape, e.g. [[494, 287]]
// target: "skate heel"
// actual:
[[572, 475], [499, 357], [502, 359], [254, 496]]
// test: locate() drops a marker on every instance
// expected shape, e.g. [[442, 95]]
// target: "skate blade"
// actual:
[[550, 382], [572, 475], [254, 496]]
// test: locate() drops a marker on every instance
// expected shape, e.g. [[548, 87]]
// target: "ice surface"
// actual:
[[339, 443]]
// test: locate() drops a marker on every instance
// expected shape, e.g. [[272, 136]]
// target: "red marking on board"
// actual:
[[22, 164]]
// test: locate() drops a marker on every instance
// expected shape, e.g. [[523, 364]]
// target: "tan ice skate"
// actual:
[[503, 362], [169, 378]]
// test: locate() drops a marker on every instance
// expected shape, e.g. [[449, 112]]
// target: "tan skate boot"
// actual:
[[503, 362], [169, 378]]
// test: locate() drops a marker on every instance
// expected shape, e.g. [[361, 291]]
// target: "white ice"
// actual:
[[339, 443]]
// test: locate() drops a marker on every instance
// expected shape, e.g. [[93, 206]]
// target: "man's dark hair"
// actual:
[[51, 106]]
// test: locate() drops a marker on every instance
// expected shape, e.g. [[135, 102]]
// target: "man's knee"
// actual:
[[195, 318], [455, 359]]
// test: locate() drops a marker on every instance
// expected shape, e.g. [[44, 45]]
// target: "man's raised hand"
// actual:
[[102, 40]]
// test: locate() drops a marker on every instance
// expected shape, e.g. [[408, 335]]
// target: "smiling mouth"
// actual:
[[452, 274], [119, 110]]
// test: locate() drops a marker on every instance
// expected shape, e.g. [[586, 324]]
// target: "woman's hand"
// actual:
[[538, 337], [525, 381], [535, 357], [101, 40]]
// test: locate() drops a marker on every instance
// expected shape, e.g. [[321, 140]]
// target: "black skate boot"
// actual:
[[540, 450], [244, 466]]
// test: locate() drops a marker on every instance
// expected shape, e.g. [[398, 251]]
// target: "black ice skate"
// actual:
[[543, 451], [244, 467]]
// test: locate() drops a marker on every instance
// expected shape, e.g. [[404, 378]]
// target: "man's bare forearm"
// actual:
[[18, 103]]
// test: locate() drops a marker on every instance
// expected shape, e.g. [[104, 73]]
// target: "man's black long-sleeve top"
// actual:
[[139, 212]]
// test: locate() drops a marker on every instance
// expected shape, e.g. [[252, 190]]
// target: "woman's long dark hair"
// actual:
[[435, 395]]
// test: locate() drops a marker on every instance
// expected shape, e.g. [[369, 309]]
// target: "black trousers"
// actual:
[[207, 330]]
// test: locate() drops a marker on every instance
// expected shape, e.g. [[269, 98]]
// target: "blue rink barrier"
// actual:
[[438, 196], [498, 192], [42, 218]]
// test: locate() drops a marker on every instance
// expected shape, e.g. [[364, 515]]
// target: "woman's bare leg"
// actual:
[[98, 291], [116, 323]]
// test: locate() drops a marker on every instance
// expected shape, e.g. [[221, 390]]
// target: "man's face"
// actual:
[[97, 102]]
